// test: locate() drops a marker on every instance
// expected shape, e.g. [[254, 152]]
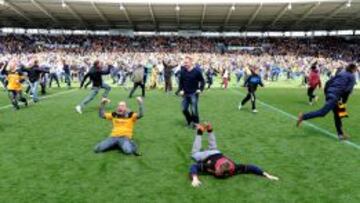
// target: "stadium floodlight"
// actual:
[[177, 8], [289, 6], [348, 4], [122, 7], [233, 8], [63, 4], [2, 2]]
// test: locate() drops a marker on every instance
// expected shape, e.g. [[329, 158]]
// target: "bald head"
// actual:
[[122, 107]]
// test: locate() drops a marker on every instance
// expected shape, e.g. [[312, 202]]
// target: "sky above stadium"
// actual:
[[208, 1]]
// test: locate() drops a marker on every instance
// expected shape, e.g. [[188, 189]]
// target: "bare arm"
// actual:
[[141, 107], [104, 101]]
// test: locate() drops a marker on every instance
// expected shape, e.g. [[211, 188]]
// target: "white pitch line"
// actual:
[[42, 98], [307, 123]]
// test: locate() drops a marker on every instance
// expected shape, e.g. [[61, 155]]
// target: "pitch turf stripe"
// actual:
[[307, 123], [42, 98]]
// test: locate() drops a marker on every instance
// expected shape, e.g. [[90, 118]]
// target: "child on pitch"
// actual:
[[123, 121], [314, 81], [213, 162], [14, 79], [337, 91], [252, 82]]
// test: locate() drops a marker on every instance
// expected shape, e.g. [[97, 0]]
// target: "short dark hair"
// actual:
[[313, 66], [351, 67], [96, 63]]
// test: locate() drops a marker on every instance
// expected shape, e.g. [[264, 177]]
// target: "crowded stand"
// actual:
[[69, 57]]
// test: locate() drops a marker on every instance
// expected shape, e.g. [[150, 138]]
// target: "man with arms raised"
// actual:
[[123, 121]]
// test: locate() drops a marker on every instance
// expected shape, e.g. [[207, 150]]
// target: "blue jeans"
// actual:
[[68, 79], [199, 155], [238, 77], [331, 104], [191, 99], [2, 80], [34, 90], [125, 144], [94, 92]]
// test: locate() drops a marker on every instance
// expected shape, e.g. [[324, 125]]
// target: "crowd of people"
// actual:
[[150, 62], [70, 57]]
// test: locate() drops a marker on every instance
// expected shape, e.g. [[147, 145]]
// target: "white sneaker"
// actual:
[[310, 103], [78, 109], [316, 99], [255, 111], [240, 106]]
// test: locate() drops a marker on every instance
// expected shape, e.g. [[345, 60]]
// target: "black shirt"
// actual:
[[95, 76]]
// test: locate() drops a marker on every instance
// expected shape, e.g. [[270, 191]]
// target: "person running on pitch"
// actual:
[[123, 124], [95, 75], [314, 81], [138, 79], [337, 91], [14, 79], [252, 82], [34, 73], [191, 84], [213, 162]]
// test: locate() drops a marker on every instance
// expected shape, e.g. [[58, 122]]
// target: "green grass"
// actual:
[[46, 152]]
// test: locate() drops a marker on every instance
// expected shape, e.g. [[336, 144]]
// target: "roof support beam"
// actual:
[[177, 10], [254, 15], [352, 19], [43, 9], [75, 14], [17, 10], [203, 13], [100, 13], [306, 14], [152, 15], [127, 15], [279, 15], [230, 11], [334, 13]]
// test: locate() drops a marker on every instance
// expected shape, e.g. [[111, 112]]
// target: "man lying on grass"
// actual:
[[213, 162], [123, 124]]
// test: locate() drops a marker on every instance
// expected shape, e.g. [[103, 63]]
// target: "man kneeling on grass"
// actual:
[[213, 162], [123, 124]]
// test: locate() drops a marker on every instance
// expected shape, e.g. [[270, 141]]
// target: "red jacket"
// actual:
[[314, 79]]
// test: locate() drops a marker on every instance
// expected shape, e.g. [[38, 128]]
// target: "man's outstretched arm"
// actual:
[[104, 101], [141, 107], [194, 171], [252, 169]]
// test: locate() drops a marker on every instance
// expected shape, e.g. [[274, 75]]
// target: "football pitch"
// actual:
[[46, 150]]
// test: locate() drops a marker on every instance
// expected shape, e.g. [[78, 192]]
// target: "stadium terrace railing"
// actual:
[[184, 33]]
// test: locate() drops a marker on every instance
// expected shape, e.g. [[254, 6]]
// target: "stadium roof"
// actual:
[[161, 15]]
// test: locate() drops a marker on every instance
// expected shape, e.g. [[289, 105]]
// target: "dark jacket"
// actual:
[[340, 86], [95, 76], [34, 73], [252, 82], [190, 81], [208, 167]]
